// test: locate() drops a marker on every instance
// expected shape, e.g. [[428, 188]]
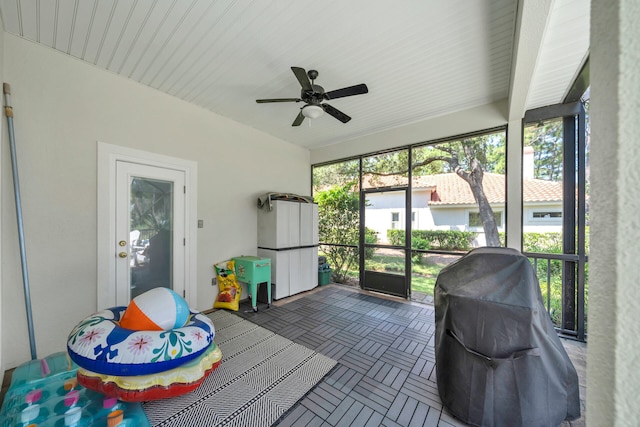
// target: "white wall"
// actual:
[[2, 137], [541, 225], [614, 294], [62, 108]]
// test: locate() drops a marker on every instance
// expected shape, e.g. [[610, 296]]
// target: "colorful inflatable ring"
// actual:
[[141, 388], [100, 345]]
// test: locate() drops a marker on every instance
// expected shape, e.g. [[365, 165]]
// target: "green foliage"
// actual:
[[503, 238], [386, 263], [550, 242], [339, 210], [395, 162], [370, 237], [446, 240], [551, 294], [546, 139], [488, 149], [335, 174]]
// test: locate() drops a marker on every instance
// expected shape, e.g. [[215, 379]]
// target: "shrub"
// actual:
[[449, 240], [550, 242], [370, 237], [338, 208]]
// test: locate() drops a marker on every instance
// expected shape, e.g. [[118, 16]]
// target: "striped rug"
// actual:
[[261, 376]]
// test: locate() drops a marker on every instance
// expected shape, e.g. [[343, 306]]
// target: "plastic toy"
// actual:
[[99, 344], [159, 309], [173, 382], [46, 393], [170, 359]]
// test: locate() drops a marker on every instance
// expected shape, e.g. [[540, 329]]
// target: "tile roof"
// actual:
[[453, 190]]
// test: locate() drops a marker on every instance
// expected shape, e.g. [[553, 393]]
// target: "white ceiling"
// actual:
[[419, 58]]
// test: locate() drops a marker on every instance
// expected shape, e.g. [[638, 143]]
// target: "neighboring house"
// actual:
[[445, 202]]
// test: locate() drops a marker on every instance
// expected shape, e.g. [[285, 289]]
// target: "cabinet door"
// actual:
[[295, 282], [280, 266], [309, 268], [308, 224], [280, 227], [289, 223]]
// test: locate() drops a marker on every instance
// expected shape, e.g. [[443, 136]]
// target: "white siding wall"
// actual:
[[541, 225]]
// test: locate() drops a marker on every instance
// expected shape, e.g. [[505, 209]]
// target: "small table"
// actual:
[[253, 271]]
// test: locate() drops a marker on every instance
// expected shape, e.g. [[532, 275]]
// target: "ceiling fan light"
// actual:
[[312, 111]]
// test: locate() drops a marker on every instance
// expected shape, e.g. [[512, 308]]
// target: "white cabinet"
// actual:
[[308, 224], [279, 227], [280, 271], [288, 235], [308, 270]]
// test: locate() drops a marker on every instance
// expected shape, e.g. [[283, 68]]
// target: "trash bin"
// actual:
[[324, 276], [324, 270]]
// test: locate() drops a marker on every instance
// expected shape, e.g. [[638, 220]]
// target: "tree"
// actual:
[[546, 140], [335, 174], [338, 208], [469, 159]]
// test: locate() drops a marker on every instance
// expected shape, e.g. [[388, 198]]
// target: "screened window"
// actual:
[[475, 221], [546, 214], [395, 220]]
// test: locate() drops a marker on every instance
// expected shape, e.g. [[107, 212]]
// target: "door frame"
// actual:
[[126, 172], [108, 156], [391, 284]]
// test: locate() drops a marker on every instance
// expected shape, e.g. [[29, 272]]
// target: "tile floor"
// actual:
[[384, 346]]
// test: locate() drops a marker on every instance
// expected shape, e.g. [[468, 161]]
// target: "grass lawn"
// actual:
[[423, 274]]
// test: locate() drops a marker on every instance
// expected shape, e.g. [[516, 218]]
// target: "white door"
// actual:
[[150, 230]]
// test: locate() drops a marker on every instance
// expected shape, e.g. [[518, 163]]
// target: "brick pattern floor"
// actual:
[[384, 347]]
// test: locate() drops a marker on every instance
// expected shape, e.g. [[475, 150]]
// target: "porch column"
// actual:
[[514, 186], [614, 294]]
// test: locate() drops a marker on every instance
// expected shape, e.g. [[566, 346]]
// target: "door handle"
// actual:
[[122, 254]]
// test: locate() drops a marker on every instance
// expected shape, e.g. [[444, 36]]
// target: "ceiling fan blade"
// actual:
[[335, 113], [302, 77], [298, 120], [347, 91], [262, 101]]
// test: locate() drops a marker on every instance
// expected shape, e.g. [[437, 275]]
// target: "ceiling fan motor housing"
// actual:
[[314, 96]]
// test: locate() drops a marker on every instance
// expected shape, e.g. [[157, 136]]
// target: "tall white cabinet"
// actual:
[[288, 235]]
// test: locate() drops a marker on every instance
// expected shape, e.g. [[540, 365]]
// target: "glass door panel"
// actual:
[[150, 227], [383, 207], [385, 260], [151, 224]]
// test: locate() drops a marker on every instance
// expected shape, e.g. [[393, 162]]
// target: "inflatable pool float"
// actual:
[[173, 382], [45, 392], [155, 348], [99, 344]]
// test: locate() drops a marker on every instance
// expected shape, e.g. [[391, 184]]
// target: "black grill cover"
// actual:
[[499, 361]]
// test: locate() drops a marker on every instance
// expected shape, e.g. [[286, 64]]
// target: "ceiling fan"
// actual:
[[313, 95]]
